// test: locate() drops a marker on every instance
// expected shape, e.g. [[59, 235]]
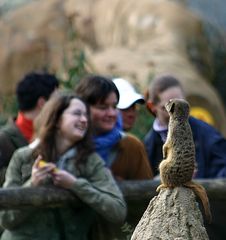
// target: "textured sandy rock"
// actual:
[[172, 215]]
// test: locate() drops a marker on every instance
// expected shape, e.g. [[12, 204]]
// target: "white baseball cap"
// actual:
[[127, 94]]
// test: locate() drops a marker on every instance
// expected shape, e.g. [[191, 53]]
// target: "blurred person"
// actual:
[[128, 100], [64, 142], [210, 145], [32, 92], [123, 153]]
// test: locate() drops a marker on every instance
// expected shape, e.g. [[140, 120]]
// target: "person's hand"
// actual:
[[62, 178], [40, 173]]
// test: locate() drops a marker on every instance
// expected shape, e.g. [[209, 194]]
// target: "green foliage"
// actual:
[[143, 123], [74, 67], [128, 230], [75, 71], [9, 108]]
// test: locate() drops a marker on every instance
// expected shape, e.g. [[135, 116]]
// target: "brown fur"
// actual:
[[178, 163]]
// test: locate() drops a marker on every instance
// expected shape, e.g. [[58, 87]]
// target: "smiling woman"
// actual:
[[64, 132], [73, 123], [105, 114], [123, 153]]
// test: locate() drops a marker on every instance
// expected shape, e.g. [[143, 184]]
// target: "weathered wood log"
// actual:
[[137, 194], [145, 190], [17, 198], [12, 198]]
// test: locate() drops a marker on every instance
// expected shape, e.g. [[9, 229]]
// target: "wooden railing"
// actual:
[[137, 195]]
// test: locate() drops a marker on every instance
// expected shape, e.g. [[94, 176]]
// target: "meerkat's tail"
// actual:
[[200, 191]]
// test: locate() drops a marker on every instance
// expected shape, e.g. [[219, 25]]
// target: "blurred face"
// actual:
[[104, 114], [129, 116], [164, 97], [73, 122]]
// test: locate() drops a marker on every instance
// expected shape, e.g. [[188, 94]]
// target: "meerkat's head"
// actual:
[[178, 108]]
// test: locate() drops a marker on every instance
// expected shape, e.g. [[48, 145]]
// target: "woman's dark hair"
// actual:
[[46, 125], [95, 89], [160, 84]]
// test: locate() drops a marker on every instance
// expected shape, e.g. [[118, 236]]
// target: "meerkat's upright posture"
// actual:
[[178, 164]]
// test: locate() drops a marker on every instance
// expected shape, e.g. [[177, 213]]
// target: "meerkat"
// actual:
[[178, 164]]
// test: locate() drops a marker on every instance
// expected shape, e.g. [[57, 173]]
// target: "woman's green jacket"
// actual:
[[95, 188]]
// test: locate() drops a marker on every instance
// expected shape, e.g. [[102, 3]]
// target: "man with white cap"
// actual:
[[128, 99]]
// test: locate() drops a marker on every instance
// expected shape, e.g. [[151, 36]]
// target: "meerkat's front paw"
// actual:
[[161, 187]]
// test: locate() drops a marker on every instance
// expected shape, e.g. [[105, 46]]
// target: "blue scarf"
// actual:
[[106, 141]]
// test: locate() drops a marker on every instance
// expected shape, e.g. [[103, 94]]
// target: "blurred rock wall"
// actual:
[[131, 39]]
